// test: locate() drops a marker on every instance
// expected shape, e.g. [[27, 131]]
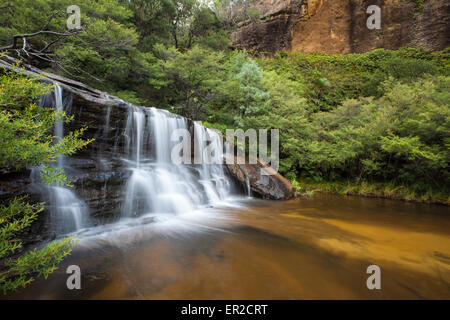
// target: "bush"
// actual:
[[26, 139]]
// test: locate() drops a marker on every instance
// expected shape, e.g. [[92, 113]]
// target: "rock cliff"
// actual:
[[339, 26]]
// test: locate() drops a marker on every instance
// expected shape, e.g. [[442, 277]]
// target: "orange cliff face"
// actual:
[[339, 26]]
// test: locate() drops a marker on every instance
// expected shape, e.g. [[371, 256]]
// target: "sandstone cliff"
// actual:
[[339, 26]]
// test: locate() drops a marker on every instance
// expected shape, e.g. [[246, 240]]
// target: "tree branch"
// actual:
[[5, 6]]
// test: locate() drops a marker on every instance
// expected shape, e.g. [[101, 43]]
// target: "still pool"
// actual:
[[310, 248]]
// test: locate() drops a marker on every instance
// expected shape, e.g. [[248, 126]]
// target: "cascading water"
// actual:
[[157, 185], [249, 189], [67, 211]]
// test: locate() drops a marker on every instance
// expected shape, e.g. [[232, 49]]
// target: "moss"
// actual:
[[418, 8]]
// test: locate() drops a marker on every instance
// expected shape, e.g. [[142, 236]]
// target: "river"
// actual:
[[308, 248]]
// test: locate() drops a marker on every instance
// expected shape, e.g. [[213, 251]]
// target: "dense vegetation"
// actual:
[[26, 139], [374, 123], [340, 116], [113, 50], [379, 121]]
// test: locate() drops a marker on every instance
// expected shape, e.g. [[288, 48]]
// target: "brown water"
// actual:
[[315, 248]]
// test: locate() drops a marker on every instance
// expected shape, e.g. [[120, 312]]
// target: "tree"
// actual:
[[26, 140], [183, 14], [231, 12], [252, 95], [113, 49], [207, 31]]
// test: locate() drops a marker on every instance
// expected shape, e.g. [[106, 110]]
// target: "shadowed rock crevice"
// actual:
[[98, 172]]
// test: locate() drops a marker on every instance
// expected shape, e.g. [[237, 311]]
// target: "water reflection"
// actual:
[[302, 249]]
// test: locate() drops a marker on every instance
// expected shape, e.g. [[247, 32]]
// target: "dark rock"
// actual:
[[273, 186], [270, 35]]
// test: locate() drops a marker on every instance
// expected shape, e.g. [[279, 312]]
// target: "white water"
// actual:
[[162, 197], [67, 211], [159, 186], [249, 189]]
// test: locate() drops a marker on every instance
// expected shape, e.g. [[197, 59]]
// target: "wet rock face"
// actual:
[[98, 172], [339, 26], [272, 186]]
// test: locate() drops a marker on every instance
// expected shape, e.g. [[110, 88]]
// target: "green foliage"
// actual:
[[401, 137], [253, 13], [418, 7], [251, 96], [372, 189], [54, 175], [113, 50], [26, 140], [25, 127], [207, 31], [104, 51], [129, 96], [18, 272], [15, 218], [379, 116], [206, 85], [332, 79]]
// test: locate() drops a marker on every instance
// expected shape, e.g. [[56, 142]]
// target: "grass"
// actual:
[[372, 189]]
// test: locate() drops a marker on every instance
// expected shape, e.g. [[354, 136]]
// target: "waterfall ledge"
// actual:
[[273, 187], [98, 172]]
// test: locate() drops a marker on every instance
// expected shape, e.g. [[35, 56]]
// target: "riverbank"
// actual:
[[372, 190]]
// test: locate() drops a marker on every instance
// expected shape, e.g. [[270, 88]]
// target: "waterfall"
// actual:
[[249, 189], [212, 177], [67, 211], [59, 126], [159, 186]]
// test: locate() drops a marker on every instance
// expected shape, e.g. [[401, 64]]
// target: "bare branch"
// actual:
[[25, 36]]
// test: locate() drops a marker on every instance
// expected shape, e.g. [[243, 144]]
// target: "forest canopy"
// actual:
[[376, 117], [375, 123]]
